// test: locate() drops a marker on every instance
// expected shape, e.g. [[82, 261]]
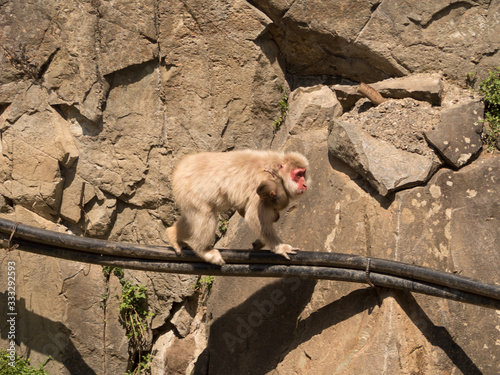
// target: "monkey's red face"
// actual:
[[298, 175]]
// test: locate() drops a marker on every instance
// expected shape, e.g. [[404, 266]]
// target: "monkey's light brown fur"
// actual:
[[206, 183]]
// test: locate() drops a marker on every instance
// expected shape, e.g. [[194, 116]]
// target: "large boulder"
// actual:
[[458, 136], [385, 144], [371, 41], [421, 87], [386, 168]]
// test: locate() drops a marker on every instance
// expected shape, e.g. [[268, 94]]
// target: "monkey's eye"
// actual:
[[298, 173]]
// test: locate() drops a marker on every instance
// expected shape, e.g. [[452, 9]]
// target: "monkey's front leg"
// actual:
[[261, 218]]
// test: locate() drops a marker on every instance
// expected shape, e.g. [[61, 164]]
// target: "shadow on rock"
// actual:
[[254, 337], [58, 344], [437, 336], [250, 338]]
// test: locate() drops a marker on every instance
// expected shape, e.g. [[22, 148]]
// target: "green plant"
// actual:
[[133, 310], [205, 281], [118, 272], [223, 223], [283, 107], [490, 89], [143, 367], [133, 314], [470, 79], [19, 365], [493, 130], [107, 270], [104, 299]]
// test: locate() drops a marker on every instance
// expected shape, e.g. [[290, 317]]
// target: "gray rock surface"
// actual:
[[458, 136], [386, 144], [280, 326], [421, 87], [384, 166], [312, 108], [371, 41]]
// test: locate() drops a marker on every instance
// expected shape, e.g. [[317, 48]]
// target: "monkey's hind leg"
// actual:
[[213, 256], [204, 224], [172, 238], [177, 234]]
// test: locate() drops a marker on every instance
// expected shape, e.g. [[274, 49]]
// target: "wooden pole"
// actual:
[[371, 93]]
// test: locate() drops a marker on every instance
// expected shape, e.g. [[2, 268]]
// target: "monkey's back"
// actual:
[[220, 179]]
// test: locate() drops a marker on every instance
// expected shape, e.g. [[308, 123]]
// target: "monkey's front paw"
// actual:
[[284, 249], [213, 256]]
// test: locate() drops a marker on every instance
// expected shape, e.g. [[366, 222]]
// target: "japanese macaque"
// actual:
[[273, 194], [252, 182]]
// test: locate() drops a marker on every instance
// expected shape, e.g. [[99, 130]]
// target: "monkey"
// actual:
[[272, 193], [206, 183]]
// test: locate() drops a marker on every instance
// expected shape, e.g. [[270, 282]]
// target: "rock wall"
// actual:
[[98, 100]]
